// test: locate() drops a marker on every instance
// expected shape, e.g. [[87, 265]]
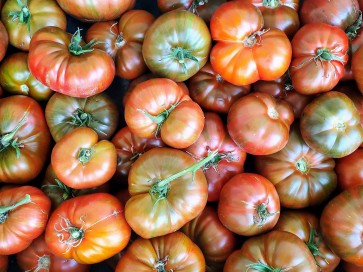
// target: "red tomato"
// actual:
[[64, 63], [357, 67], [4, 262], [88, 229], [350, 170], [4, 40], [23, 217], [259, 123]]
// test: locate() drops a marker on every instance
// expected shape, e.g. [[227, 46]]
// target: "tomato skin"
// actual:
[[64, 113], [277, 249], [259, 123], [330, 124], [4, 40], [32, 135], [123, 42], [350, 171], [24, 223], [357, 67], [78, 76], [176, 251], [43, 13], [4, 262]]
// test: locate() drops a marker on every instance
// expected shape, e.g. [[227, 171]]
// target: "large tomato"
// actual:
[[22, 18], [4, 41], [88, 229], [229, 161], [330, 124], [123, 42], [350, 170], [23, 217], [319, 53], [81, 161], [4, 262], [302, 176], [357, 67], [173, 252], [16, 78], [259, 123], [212, 92], [177, 45], [249, 204], [64, 63], [274, 251], [64, 113], [245, 52], [24, 139]]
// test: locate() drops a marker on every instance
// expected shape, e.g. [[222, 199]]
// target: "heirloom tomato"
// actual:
[[357, 67], [350, 170], [4, 40]]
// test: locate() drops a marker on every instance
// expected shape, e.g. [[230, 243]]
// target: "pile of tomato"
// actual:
[[234, 143]]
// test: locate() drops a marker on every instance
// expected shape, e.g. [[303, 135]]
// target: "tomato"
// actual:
[[229, 161], [81, 161], [16, 78], [245, 52], [318, 58], [167, 191], [22, 20], [349, 170], [96, 10], [38, 257], [212, 92], [357, 67], [259, 123], [123, 42], [64, 63], [177, 45], [306, 226], [4, 262], [215, 240], [302, 176], [330, 124], [249, 204], [24, 137], [4, 40], [64, 113], [274, 251], [341, 225], [88, 229], [23, 217], [160, 105], [173, 252]]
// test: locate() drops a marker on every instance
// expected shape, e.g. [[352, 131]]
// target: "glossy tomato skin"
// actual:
[[123, 41], [342, 227], [38, 257], [173, 252], [276, 249], [177, 32], [212, 92], [319, 53], [330, 124], [21, 225], [81, 75], [357, 67], [4, 40], [230, 159], [32, 138], [42, 13], [249, 204], [4, 262], [96, 10], [302, 176], [349, 170], [216, 241], [64, 113], [259, 123], [185, 199], [16, 78], [81, 161], [100, 222]]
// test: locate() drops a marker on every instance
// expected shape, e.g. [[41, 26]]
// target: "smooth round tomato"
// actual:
[[23, 217], [23, 18], [249, 204], [4, 40], [330, 124], [65, 64], [274, 251], [64, 113], [177, 45], [24, 139], [350, 170], [81, 161], [16, 78], [123, 41], [357, 67], [4, 262], [259, 123], [173, 252]]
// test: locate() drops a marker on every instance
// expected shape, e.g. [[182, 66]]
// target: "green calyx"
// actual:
[[302, 165], [85, 155], [23, 15], [313, 245], [180, 54], [4, 210], [352, 30], [160, 265], [80, 118], [259, 266], [43, 263], [75, 46], [75, 233], [262, 214], [228, 156], [68, 192], [196, 4], [325, 54], [271, 3]]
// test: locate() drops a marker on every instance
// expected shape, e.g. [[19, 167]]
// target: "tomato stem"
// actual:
[[180, 54], [23, 14], [68, 192], [4, 210], [196, 4], [160, 265], [352, 30], [80, 118], [43, 263], [263, 267], [75, 46], [262, 214], [302, 165], [228, 156], [120, 41], [271, 3], [313, 245], [84, 155], [219, 78], [254, 38]]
